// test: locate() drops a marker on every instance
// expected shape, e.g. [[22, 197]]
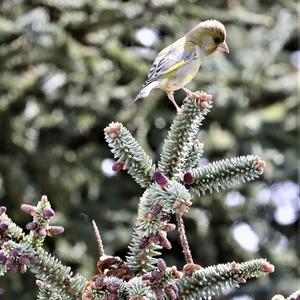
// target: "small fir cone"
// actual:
[[188, 178], [189, 269], [118, 166], [260, 164], [113, 296], [161, 179], [2, 210], [267, 267], [114, 129], [28, 209], [138, 298]]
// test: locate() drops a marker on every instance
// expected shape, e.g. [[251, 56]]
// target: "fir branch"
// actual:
[[46, 292], [156, 205], [224, 174], [52, 272], [213, 280], [13, 232], [129, 153], [181, 137], [194, 156], [136, 287]]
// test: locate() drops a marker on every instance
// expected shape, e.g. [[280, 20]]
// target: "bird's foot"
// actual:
[[179, 110], [203, 97]]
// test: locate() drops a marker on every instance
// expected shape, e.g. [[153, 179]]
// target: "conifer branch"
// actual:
[[13, 231], [181, 137], [212, 281], [52, 272], [223, 174], [194, 156], [129, 153], [156, 205]]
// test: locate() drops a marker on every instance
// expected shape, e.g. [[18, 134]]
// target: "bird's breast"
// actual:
[[181, 77]]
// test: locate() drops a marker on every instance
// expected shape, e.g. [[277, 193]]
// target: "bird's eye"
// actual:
[[217, 40]]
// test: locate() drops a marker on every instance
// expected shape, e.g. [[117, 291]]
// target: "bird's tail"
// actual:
[[145, 91]]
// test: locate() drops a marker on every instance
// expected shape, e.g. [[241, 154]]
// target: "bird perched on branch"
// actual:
[[176, 65]]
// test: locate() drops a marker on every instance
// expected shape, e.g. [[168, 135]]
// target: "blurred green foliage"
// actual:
[[68, 68]]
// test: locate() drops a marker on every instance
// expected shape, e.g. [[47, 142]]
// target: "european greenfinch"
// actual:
[[176, 65]]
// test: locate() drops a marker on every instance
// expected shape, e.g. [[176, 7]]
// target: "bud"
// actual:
[[177, 274], [9, 263], [28, 209], [267, 267], [188, 177], [1, 291], [48, 212], [144, 242], [171, 290], [54, 230], [41, 284], [44, 200], [118, 166], [260, 164], [42, 232], [163, 241], [160, 178], [2, 210], [32, 226], [112, 296], [2, 257], [156, 276], [166, 217], [190, 268], [182, 206], [157, 208], [149, 216], [112, 286], [99, 282], [162, 267], [23, 268], [114, 129], [168, 227], [67, 280], [25, 260], [14, 252], [3, 227]]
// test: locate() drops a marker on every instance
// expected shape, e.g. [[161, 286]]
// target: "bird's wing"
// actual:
[[171, 58]]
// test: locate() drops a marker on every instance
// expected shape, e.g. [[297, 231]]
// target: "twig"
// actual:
[[184, 242], [98, 239]]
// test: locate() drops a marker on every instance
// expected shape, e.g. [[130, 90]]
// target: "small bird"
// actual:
[[176, 65]]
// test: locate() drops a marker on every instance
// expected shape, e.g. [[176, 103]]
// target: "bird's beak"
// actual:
[[223, 47]]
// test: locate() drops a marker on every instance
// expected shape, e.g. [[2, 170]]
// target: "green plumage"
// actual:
[[176, 65]]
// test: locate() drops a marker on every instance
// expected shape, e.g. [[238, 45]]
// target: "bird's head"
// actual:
[[210, 36]]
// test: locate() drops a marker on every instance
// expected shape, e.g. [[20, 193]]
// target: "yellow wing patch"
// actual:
[[175, 67]]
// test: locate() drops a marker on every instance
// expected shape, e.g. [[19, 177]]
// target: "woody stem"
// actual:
[[98, 239], [184, 242]]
